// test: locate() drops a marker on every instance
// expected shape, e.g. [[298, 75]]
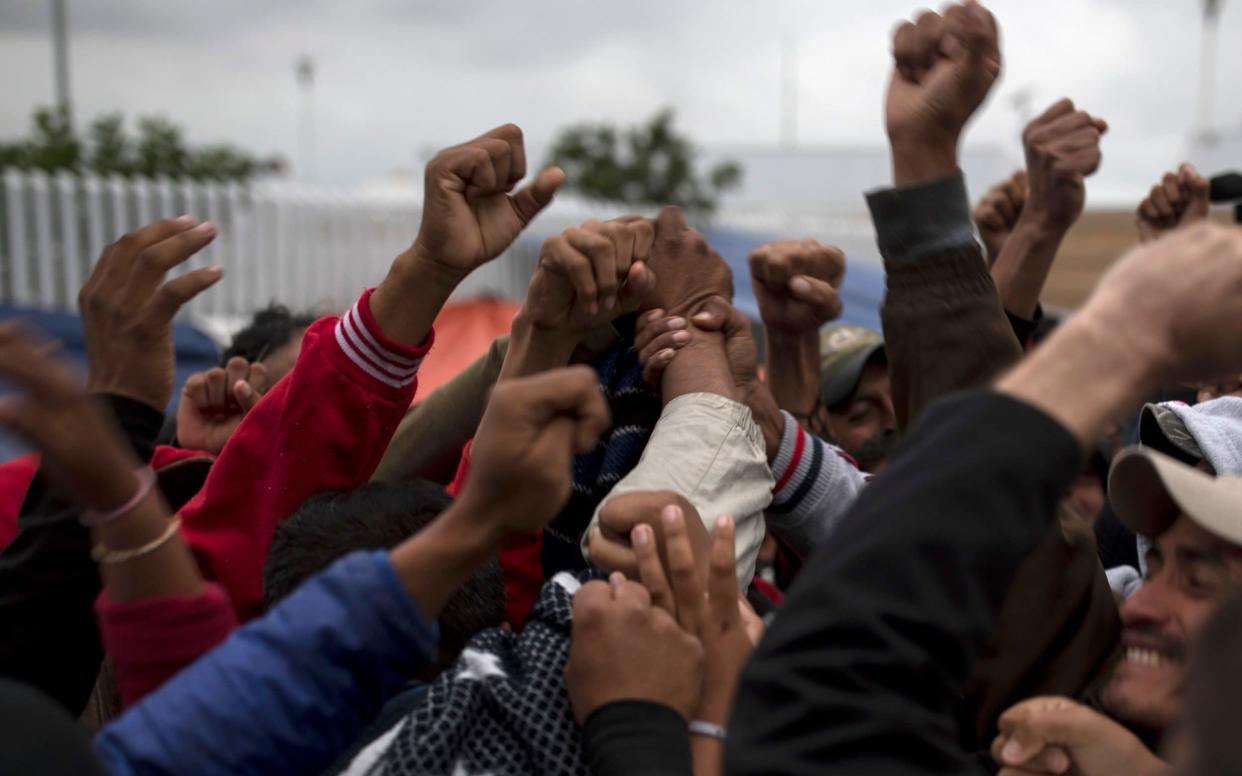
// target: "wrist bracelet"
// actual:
[[102, 554], [146, 483], [700, 728]]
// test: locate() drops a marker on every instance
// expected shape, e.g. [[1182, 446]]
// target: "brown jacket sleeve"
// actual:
[[945, 331], [429, 441]]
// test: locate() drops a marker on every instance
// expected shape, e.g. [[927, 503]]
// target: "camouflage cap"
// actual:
[[844, 351], [1161, 428]]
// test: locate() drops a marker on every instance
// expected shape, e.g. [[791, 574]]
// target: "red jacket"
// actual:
[[324, 426]]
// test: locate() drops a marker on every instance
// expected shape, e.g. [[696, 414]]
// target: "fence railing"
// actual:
[[309, 248]]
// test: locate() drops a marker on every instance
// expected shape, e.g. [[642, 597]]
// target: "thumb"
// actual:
[[1040, 722], [819, 294], [640, 281], [528, 201], [714, 314]]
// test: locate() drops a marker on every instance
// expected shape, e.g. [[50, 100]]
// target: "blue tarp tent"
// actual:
[[195, 351]]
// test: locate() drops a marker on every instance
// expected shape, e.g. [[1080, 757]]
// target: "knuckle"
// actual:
[[127, 244]]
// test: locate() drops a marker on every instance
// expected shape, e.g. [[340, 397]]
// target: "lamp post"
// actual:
[[60, 56], [1207, 70], [305, 69]]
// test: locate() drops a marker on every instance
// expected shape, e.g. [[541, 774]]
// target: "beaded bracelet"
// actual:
[[146, 483], [699, 727], [102, 554]]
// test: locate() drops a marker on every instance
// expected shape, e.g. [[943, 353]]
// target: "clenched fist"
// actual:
[[944, 67], [796, 283], [1062, 149], [521, 455], [469, 213], [590, 274], [997, 213], [1178, 199], [1189, 286]]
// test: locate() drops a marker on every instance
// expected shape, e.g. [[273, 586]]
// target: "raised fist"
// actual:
[[944, 67], [214, 402], [796, 283], [1062, 149], [127, 308], [1189, 286], [997, 213], [521, 455], [469, 214], [688, 271], [590, 274], [1179, 199]]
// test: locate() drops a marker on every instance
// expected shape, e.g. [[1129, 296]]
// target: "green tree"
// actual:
[[648, 164], [158, 150]]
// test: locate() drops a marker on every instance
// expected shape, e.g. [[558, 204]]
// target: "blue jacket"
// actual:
[[288, 692]]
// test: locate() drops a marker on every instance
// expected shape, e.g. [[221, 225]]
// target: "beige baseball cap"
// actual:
[[1148, 491], [844, 351]]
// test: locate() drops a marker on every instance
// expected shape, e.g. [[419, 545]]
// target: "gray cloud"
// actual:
[[397, 77]]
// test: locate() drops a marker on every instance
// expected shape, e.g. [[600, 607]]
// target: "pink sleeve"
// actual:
[[324, 426], [151, 640]]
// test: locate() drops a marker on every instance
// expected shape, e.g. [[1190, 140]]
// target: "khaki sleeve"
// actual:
[[709, 449]]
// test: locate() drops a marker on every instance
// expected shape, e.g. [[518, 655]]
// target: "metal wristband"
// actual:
[[700, 728]]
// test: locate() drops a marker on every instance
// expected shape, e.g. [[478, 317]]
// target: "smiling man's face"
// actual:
[[1189, 573]]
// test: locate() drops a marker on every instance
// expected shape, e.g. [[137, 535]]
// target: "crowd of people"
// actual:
[[617, 543]]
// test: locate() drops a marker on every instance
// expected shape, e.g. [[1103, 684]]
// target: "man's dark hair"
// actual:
[[376, 516], [270, 329]]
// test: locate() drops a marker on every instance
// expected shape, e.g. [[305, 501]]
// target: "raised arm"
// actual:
[[327, 423], [940, 298], [127, 311], [1062, 149], [863, 671], [1180, 198], [292, 689], [795, 283]]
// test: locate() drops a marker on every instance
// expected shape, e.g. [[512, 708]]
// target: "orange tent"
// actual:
[[464, 331]]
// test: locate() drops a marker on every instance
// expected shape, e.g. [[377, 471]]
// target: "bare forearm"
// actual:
[[166, 571], [793, 371], [407, 302], [436, 562], [919, 160], [708, 756], [1084, 376], [533, 350], [700, 367], [768, 417], [1024, 262]]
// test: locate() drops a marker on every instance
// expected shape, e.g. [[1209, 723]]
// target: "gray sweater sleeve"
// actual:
[[816, 484]]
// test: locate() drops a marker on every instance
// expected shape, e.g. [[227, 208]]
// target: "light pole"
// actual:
[[789, 90], [60, 57], [306, 118], [1207, 70]]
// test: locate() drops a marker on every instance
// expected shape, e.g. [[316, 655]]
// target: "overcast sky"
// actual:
[[398, 77]]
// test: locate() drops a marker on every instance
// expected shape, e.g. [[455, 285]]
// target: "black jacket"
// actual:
[[48, 582]]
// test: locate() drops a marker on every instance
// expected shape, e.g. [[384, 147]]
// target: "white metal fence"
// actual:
[[307, 248], [312, 249]]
